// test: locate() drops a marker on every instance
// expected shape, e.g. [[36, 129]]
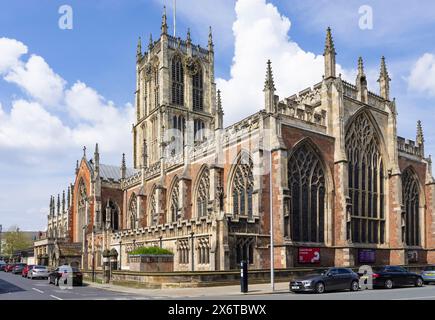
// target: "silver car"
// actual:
[[428, 274], [38, 272]]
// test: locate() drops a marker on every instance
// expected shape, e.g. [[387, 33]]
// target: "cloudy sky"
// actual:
[[62, 89]]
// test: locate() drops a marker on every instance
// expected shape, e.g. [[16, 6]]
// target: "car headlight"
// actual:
[[306, 283]]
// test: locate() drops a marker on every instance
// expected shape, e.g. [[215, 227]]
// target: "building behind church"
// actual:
[[343, 188]]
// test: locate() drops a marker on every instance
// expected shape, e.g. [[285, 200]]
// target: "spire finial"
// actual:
[[151, 42], [384, 80], [164, 22], [420, 136], [210, 39], [139, 48], [269, 83], [123, 167], [77, 166], [219, 101], [58, 204], [329, 43], [189, 39], [84, 152], [360, 66], [63, 201]]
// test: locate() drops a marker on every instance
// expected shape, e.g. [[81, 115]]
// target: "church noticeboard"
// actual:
[[309, 255], [366, 256]]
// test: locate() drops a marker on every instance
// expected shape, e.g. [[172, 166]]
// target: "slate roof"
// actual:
[[109, 172]]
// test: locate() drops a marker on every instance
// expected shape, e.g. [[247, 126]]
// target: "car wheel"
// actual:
[[354, 286], [388, 284], [419, 282], [320, 288]]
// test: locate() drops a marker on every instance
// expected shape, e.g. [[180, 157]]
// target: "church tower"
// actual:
[[175, 96]]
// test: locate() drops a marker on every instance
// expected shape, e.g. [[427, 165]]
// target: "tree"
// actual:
[[15, 240]]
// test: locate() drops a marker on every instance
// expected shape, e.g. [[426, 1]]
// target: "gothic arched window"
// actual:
[[411, 201], [198, 130], [156, 87], [198, 93], [81, 209], [111, 212], [366, 183], [174, 208], [177, 81], [242, 187], [132, 212], [203, 194], [306, 180]]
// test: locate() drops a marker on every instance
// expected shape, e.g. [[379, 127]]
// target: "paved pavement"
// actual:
[[14, 287]]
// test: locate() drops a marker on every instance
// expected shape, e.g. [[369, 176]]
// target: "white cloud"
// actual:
[[422, 77], [261, 33], [10, 52], [38, 80]]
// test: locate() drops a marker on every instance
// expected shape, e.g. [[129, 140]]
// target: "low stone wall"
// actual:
[[160, 280], [151, 263]]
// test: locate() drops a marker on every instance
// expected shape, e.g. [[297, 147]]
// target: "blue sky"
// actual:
[[92, 70]]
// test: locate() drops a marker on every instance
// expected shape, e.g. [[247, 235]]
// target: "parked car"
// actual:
[[38, 272], [62, 272], [329, 279], [389, 277], [26, 270], [2, 265], [428, 274], [18, 268], [9, 267]]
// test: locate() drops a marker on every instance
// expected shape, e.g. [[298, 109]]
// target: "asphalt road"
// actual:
[[15, 287]]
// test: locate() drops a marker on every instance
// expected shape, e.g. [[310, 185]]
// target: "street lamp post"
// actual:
[[272, 262]]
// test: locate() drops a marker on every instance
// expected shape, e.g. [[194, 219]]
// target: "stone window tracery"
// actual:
[[306, 180], [203, 251], [177, 81], [154, 218], [174, 201], [411, 202], [242, 187], [203, 195], [183, 251], [366, 183], [198, 92]]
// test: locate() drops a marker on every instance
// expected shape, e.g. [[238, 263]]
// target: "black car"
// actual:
[[389, 277], [62, 273], [329, 279]]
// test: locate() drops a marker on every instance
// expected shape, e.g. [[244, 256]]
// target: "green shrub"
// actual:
[[150, 250]]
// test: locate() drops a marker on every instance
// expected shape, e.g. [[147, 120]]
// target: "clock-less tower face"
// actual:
[[175, 98]]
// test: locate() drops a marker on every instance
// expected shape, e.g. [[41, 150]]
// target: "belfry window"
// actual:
[[366, 183], [178, 124], [198, 93], [199, 130], [242, 187], [306, 180], [156, 87], [411, 202], [203, 194], [177, 81]]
